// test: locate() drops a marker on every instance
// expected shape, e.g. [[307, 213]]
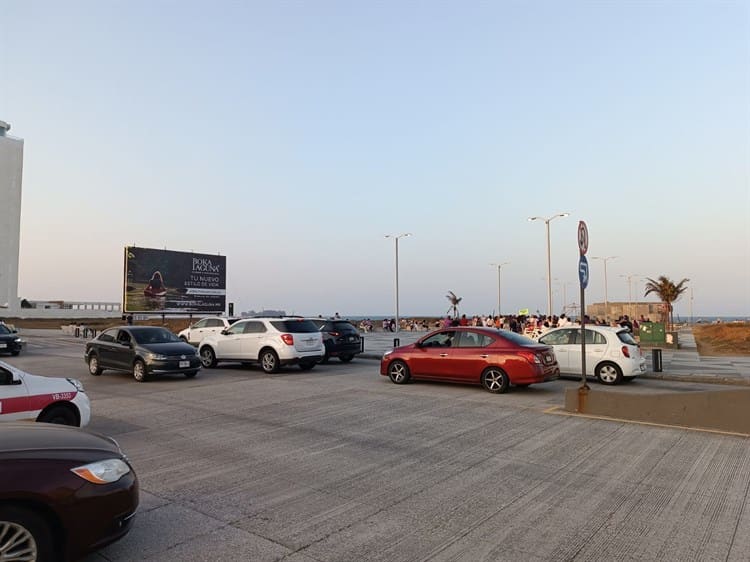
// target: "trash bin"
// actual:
[[656, 365], [396, 342]]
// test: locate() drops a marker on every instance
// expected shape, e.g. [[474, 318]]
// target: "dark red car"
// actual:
[[493, 358], [64, 492]]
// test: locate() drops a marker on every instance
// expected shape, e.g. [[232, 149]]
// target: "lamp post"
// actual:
[[499, 301], [549, 258], [630, 278], [605, 259], [396, 238]]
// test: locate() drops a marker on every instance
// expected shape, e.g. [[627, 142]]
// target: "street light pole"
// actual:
[[606, 300], [499, 301], [396, 238], [630, 277], [549, 258]]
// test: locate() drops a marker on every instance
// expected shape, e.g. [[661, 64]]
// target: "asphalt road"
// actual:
[[339, 464]]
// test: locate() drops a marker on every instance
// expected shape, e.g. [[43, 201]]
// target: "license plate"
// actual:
[[351, 338], [184, 364], [3, 345]]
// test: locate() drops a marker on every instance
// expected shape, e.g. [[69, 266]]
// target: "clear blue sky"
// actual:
[[292, 136]]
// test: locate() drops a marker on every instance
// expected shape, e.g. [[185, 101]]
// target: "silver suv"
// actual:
[[272, 342], [194, 333]]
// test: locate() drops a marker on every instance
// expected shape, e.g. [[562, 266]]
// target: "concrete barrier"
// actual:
[[722, 409]]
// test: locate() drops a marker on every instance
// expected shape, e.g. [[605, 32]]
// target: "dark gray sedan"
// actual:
[[145, 351]]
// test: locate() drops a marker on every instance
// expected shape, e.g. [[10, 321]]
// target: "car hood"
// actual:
[[171, 348], [58, 440], [9, 337]]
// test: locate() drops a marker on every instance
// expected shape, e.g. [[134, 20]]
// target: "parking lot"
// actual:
[[338, 464]]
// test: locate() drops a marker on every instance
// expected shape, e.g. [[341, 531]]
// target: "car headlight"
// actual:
[[102, 472], [78, 384], [157, 357], [387, 353]]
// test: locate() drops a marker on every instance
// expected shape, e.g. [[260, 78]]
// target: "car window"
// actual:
[[294, 326], [255, 328], [217, 323], [343, 327], [513, 337], [108, 335], [592, 337], [123, 337], [6, 377], [441, 339], [558, 337], [626, 337], [153, 335], [237, 328], [4, 330], [201, 323]]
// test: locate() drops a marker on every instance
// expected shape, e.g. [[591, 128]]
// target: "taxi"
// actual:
[[28, 397]]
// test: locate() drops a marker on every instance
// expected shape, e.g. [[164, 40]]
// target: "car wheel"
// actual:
[[269, 361], [306, 366], [190, 374], [94, 367], [139, 371], [27, 535], [183, 338], [608, 373], [60, 415], [494, 380], [346, 358], [398, 372], [208, 357]]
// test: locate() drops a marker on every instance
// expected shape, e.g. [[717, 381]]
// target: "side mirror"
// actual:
[[16, 379], [419, 344], [224, 332], [14, 331]]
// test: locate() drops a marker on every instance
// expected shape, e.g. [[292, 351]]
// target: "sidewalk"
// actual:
[[682, 364]]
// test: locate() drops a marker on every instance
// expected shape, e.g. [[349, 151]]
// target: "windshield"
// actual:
[[153, 335], [4, 330]]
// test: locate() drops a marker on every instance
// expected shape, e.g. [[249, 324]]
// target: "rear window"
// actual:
[[343, 327], [294, 326], [626, 337], [516, 338]]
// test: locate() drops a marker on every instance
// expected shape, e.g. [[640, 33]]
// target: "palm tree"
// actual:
[[451, 296], [668, 292]]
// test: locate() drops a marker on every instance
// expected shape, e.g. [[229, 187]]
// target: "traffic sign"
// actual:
[[583, 238], [583, 272]]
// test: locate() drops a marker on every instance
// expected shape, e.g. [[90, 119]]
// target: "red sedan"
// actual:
[[493, 358]]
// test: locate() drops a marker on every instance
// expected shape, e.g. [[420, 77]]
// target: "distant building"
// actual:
[[11, 168], [614, 310]]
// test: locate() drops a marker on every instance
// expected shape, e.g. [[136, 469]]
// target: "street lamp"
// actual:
[[549, 259], [630, 278], [396, 237], [499, 267], [605, 259]]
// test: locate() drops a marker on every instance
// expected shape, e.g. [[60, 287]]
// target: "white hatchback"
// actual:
[[272, 342], [612, 354], [24, 396]]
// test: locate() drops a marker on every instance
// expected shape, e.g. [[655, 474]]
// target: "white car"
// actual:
[[195, 333], [612, 354], [272, 342], [28, 397]]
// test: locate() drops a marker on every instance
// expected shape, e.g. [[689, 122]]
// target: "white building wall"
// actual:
[[11, 168]]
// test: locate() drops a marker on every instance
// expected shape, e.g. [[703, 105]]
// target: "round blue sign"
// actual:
[[583, 272]]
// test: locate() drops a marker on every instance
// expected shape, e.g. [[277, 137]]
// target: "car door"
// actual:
[[562, 341], [431, 357], [198, 331], [105, 346], [252, 339], [467, 357], [14, 396], [123, 352], [596, 347], [229, 342]]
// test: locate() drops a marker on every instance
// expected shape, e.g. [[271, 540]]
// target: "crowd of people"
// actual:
[[532, 325]]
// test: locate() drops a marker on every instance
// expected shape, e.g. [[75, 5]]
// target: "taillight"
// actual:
[[287, 339], [531, 357], [625, 351], [334, 334]]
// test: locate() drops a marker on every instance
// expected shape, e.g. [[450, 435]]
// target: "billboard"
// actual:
[[170, 281]]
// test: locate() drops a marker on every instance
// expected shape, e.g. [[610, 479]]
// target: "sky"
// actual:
[[291, 137]]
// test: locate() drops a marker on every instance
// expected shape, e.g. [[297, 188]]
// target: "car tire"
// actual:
[[60, 415], [190, 374], [608, 373], [398, 372], [183, 338], [139, 371], [208, 357], [307, 366], [269, 361], [34, 533], [94, 368], [346, 358], [495, 380]]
